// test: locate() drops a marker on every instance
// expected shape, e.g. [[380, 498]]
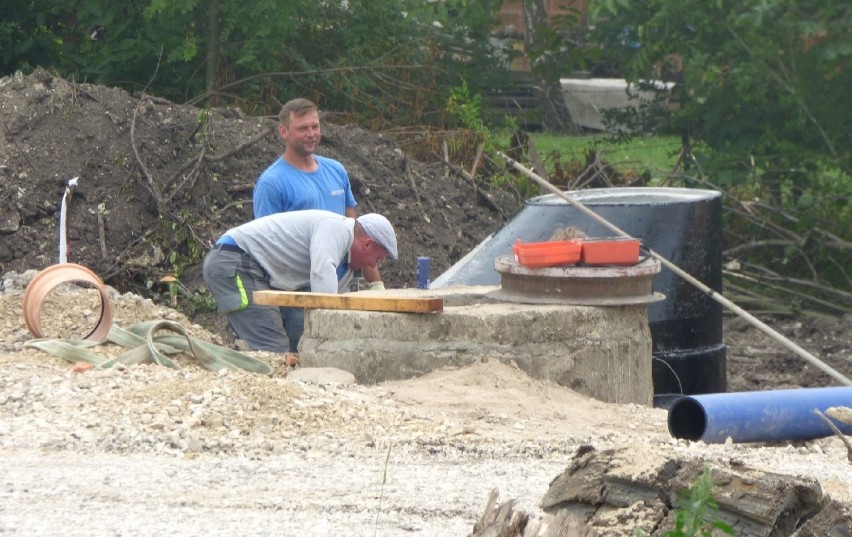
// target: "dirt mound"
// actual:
[[158, 182]]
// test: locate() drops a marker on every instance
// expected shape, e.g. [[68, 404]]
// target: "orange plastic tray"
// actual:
[[610, 251], [547, 254]]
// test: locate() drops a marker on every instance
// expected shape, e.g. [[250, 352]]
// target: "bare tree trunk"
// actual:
[[212, 44], [556, 116]]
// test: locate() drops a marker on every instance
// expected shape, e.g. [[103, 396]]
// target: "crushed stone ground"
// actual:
[[144, 450]]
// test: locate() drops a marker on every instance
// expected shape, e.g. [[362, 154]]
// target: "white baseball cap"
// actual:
[[378, 228]]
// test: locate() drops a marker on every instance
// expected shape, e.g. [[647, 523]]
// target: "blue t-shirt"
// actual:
[[283, 188]]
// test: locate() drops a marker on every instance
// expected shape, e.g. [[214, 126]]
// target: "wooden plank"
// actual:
[[334, 301]]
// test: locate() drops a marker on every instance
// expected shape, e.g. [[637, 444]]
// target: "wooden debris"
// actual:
[[835, 520], [617, 491], [502, 521], [645, 493]]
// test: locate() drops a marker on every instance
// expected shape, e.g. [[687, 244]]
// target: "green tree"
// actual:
[[37, 33], [381, 61], [552, 53], [762, 103], [763, 82]]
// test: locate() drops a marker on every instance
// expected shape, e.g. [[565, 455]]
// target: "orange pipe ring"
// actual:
[[46, 280]]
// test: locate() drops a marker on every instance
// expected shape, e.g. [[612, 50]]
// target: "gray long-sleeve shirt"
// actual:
[[300, 248]]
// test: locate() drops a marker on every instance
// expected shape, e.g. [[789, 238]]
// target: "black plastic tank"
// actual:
[[682, 225]]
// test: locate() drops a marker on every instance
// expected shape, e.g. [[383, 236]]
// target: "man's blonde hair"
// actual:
[[296, 107]]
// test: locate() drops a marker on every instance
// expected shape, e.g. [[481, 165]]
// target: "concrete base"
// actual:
[[602, 352]]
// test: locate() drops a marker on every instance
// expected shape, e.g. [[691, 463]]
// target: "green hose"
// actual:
[[143, 345]]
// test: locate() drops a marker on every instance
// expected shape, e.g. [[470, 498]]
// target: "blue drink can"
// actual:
[[423, 267]]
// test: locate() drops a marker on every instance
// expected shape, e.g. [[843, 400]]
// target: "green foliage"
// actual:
[[203, 125], [35, 33], [380, 62], [555, 51], [198, 303], [762, 83], [185, 248], [695, 511], [761, 104], [384, 482], [467, 108]]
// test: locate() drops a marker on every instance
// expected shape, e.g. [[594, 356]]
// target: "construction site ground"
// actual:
[[145, 450]]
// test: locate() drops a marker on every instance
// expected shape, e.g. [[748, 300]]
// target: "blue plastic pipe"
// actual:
[[757, 416]]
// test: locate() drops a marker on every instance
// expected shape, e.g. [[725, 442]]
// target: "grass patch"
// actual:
[[656, 154]]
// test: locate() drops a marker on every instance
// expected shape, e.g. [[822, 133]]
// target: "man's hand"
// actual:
[[371, 274]]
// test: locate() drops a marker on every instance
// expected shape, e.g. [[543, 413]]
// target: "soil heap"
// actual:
[[159, 182]]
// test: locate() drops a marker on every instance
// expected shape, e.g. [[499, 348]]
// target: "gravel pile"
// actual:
[[154, 409]]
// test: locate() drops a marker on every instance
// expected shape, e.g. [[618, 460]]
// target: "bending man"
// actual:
[[290, 251]]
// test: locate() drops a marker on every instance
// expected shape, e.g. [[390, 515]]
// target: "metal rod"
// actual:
[[686, 276]]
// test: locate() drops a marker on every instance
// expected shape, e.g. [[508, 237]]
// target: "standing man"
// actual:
[[290, 251], [299, 180]]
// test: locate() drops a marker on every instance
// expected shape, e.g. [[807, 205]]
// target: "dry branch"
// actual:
[[248, 143], [757, 215], [102, 231], [836, 242], [831, 291], [838, 432], [597, 171], [479, 149], [408, 175], [242, 187], [77, 89], [756, 302], [191, 176], [236, 203], [758, 244], [806, 297], [294, 74], [480, 194], [152, 186], [119, 259]]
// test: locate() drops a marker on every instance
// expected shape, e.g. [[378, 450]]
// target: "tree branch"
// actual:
[[151, 183], [248, 143], [292, 74]]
